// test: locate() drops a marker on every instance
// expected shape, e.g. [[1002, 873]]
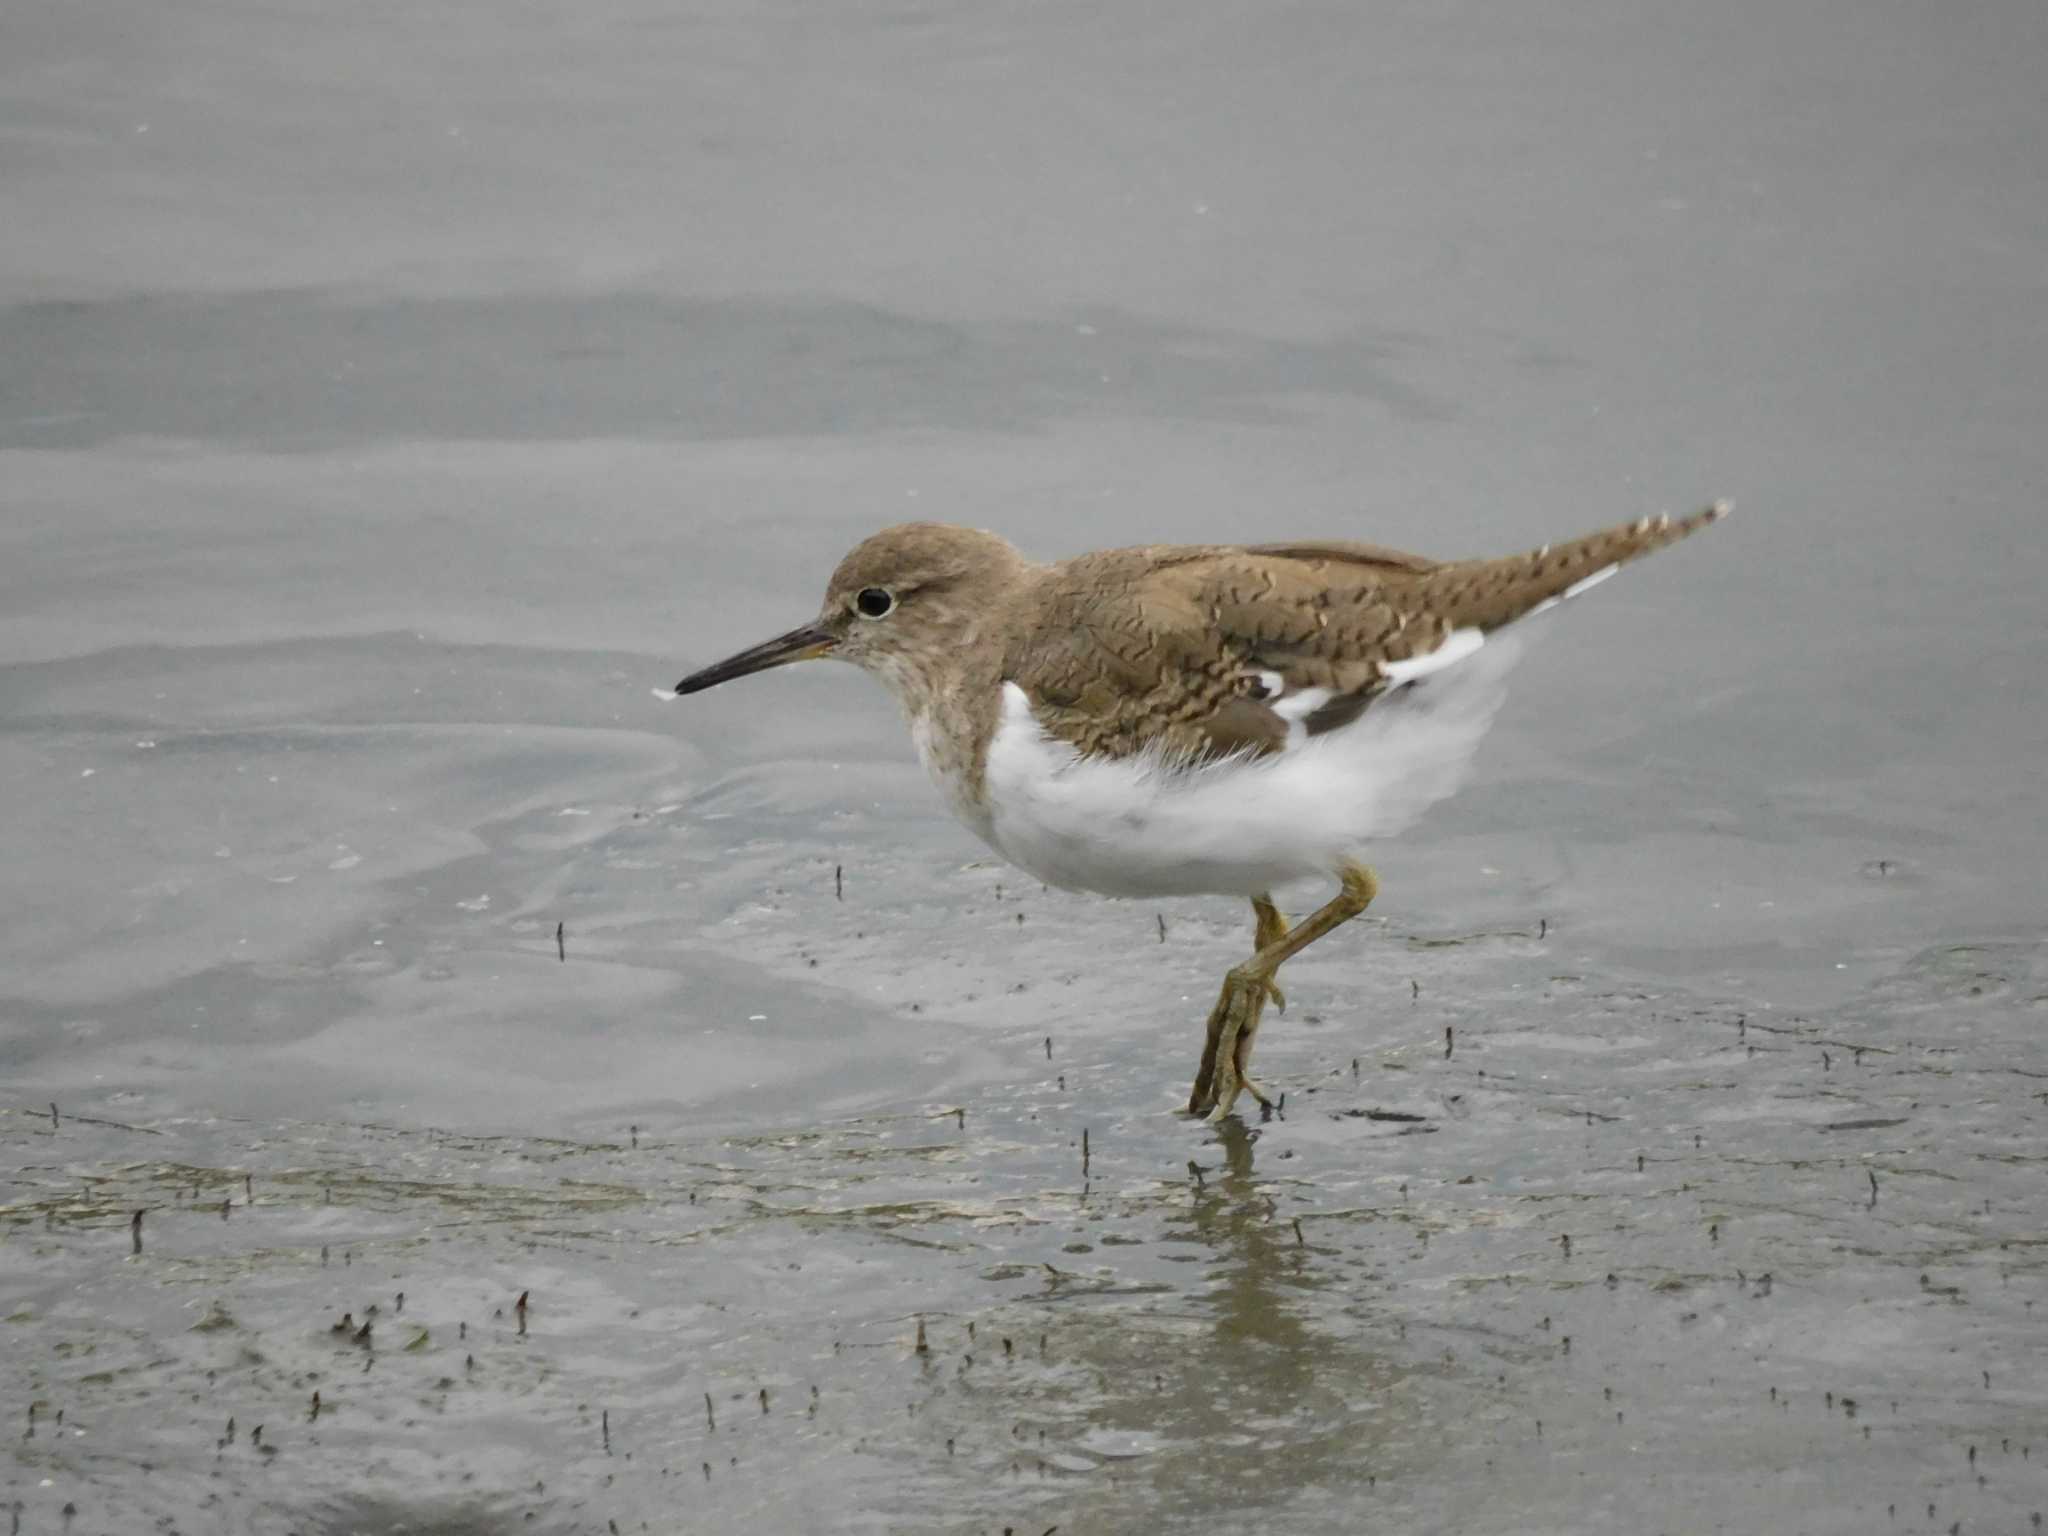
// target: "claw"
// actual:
[[1226, 1099], [1219, 1106]]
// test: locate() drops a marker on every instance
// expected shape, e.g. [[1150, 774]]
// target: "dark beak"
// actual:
[[800, 644]]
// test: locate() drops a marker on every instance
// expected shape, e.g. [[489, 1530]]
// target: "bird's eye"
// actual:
[[875, 602]]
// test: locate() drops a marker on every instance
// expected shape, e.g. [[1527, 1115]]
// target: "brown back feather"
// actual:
[[1163, 647]]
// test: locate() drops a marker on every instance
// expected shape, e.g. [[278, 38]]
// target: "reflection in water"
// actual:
[[1263, 1368], [1260, 1267]]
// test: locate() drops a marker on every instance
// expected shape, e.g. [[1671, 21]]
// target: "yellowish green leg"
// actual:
[[1268, 928], [1271, 929], [1235, 1018]]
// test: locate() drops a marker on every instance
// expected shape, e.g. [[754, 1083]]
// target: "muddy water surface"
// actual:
[[391, 407]]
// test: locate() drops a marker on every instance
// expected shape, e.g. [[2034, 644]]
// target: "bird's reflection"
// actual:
[[1262, 1358], [1260, 1267]]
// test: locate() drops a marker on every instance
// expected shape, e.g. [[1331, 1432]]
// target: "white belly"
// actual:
[[1146, 827]]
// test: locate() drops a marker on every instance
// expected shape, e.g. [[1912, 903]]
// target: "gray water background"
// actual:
[[393, 400]]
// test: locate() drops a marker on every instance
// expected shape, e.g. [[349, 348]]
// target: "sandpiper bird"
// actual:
[[1179, 720]]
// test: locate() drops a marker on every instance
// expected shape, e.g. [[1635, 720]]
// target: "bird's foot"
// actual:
[[1259, 1095], [1226, 1098], [1232, 1024]]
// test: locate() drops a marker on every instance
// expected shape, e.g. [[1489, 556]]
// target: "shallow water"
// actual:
[[391, 407]]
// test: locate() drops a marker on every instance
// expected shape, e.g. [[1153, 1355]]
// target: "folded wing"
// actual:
[[1210, 651]]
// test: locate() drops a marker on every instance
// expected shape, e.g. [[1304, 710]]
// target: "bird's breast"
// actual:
[[949, 760]]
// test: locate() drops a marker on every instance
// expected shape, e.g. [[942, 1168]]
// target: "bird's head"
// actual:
[[900, 606]]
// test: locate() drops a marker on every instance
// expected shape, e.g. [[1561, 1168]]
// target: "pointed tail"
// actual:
[[1485, 594]]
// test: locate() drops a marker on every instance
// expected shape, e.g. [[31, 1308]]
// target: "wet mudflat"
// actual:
[[1527, 1247], [392, 406]]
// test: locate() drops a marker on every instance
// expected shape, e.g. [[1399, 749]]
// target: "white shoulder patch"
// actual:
[[1299, 705], [1457, 645]]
